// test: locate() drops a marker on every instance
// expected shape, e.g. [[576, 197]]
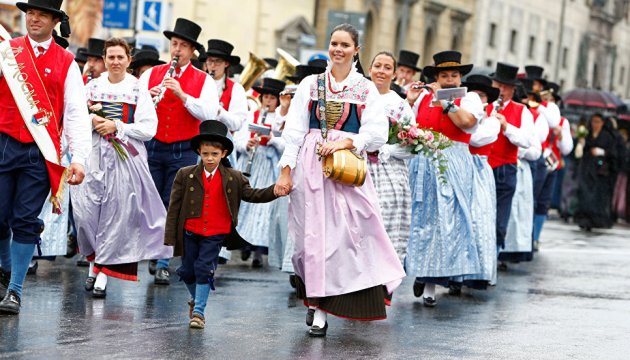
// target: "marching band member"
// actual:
[[484, 194], [517, 126], [80, 58], [118, 190], [406, 69], [95, 65], [258, 158], [343, 255], [25, 179], [387, 166], [441, 244], [232, 99], [187, 97]]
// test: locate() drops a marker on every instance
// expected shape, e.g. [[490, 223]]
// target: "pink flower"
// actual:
[[403, 135], [414, 132], [429, 136]]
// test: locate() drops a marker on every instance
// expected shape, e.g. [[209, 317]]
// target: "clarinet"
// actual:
[[169, 73], [250, 159], [499, 106]]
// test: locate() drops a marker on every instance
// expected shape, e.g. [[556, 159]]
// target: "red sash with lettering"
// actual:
[[32, 87]]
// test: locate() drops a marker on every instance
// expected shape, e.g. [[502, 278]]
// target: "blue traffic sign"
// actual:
[[151, 15], [117, 14]]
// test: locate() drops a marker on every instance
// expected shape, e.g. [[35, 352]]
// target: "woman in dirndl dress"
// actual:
[[442, 245], [343, 255], [118, 212], [387, 166], [484, 210], [258, 157]]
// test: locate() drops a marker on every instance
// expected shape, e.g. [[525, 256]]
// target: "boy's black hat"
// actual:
[[409, 59], [212, 130], [270, 86], [483, 83]]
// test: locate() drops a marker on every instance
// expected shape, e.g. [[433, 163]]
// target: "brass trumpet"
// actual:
[[286, 66], [253, 69]]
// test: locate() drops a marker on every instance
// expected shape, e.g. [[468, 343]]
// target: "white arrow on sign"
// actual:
[[150, 17]]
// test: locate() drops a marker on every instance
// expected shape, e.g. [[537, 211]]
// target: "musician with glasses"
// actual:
[[184, 97]]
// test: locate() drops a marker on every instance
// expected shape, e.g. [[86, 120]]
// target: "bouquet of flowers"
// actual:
[[97, 109], [581, 132], [429, 143]]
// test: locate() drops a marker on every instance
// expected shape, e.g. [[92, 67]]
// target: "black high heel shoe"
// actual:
[[316, 331]]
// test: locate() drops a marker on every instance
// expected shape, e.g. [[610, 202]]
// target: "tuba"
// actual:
[[286, 66], [253, 69]]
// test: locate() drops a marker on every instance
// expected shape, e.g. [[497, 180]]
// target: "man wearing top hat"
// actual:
[[190, 96], [232, 99], [95, 64], [28, 172], [517, 127], [407, 68], [144, 59]]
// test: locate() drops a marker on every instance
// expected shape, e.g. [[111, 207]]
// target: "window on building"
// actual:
[[622, 75], [548, 51], [565, 57], [455, 42], [513, 38], [493, 33], [531, 46], [489, 63]]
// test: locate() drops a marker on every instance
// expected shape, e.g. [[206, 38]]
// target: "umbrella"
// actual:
[[625, 115], [593, 98]]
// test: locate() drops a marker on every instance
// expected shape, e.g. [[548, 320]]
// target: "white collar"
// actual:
[[207, 173], [45, 44], [349, 81]]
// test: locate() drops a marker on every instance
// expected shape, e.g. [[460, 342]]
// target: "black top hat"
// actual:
[[270, 86], [146, 56], [212, 130], [187, 30], [222, 49], [505, 74], [59, 40], [96, 48], [271, 61], [320, 63], [535, 73], [302, 71], [80, 55], [447, 60], [52, 6], [408, 59], [481, 83], [202, 55], [236, 69]]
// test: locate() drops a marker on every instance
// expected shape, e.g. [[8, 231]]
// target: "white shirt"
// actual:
[[242, 136], [542, 127], [486, 133], [237, 113], [77, 124], [566, 144], [210, 173], [144, 124], [374, 124], [552, 113], [206, 106], [521, 136], [400, 109]]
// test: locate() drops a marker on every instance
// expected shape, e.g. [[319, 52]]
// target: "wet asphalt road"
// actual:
[[572, 302]]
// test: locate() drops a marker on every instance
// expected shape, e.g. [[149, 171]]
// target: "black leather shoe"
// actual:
[[418, 288], [454, 290], [99, 293], [162, 277], [222, 260], [429, 302], [11, 303], [82, 261], [89, 283], [257, 263], [245, 254], [32, 270], [310, 315], [293, 280], [316, 331], [502, 266], [71, 247], [152, 265]]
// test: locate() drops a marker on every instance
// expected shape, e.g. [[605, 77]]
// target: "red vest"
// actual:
[[503, 151], [263, 141], [58, 61], [536, 116], [215, 218], [226, 97], [554, 145], [175, 123], [432, 118]]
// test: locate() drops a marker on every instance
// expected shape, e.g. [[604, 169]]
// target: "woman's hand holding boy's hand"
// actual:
[[284, 185]]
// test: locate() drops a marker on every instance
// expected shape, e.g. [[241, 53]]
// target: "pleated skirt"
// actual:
[[518, 239]]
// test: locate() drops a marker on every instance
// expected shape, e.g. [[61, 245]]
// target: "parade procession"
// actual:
[[187, 187]]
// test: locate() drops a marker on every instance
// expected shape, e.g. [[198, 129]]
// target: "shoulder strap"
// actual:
[[321, 103]]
